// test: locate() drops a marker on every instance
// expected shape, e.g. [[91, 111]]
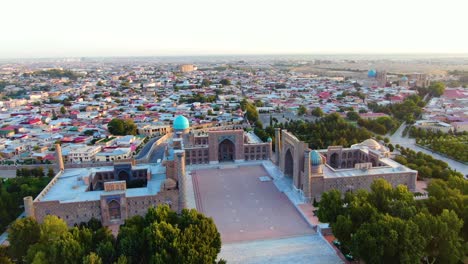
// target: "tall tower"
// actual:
[[59, 157], [277, 145], [381, 77], [29, 207], [181, 179], [306, 184]]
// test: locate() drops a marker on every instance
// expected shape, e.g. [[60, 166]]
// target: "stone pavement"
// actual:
[[307, 249]]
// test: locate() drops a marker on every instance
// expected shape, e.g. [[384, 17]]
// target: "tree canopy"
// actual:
[[161, 236], [386, 224], [122, 127]]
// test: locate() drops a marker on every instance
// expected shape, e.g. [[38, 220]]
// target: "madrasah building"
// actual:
[[115, 193]]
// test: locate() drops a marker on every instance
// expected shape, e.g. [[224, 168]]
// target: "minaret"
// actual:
[[181, 179], [29, 207], [59, 157], [277, 145], [306, 184]]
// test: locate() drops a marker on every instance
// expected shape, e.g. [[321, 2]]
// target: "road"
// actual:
[[158, 153], [146, 148], [7, 173], [397, 138]]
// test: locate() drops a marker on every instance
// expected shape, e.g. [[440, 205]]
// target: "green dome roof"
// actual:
[[315, 158], [180, 123], [269, 139]]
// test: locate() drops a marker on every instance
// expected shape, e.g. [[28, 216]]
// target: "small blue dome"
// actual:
[[269, 139], [404, 78], [181, 123], [315, 158], [371, 73]]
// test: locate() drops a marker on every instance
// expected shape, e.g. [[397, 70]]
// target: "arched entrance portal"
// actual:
[[226, 150], [114, 210], [288, 164], [334, 160], [123, 176]]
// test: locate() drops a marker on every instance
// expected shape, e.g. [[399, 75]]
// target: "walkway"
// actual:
[[397, 138], [307, 249]]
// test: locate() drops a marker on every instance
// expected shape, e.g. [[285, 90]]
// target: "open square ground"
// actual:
[[245, 208]]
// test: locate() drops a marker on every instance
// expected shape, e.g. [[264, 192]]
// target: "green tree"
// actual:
[[317, 112], [225, 82], [388, 240], [63, 110], [437, 88], [51, 229], [330, 207], [443, 244], [122, 127], [351, 115], [302, 110], [22, 234], [92, 258]]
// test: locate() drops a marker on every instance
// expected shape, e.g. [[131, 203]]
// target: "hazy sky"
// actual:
[[56, 28]]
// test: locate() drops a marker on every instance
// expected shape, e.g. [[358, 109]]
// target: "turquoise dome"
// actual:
[[269, 139], [371, 73], [404, 78], [315, 158], [180, 123]]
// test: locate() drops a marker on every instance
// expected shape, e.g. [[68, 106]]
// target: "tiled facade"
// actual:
[[344, 169]]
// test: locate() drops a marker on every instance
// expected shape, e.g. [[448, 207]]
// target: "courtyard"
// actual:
[[244, 207]]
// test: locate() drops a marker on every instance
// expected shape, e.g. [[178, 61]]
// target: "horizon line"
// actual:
[[459, 54]]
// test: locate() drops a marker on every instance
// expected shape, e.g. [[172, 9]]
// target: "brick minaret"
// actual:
[[306, 184], [181, 179], [277, 145], [59, 157], [29, 207]]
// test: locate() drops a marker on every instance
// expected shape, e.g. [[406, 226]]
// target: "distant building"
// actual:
[[420, 80], [187, 68], [381, 77]]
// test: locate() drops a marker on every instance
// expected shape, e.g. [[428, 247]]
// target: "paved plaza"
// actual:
[[245, 208], [310, 249], [257, 219]]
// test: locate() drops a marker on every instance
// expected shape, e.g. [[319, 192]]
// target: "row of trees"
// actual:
[[35, 172], [122, 127], [330, 130], [409, 110], [426, 165], [452, 145], [162, 236], [57, 73], [386, 225], [12, 192], [381, 125]]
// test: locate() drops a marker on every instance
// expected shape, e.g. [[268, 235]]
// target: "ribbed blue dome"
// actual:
[[371, 73], [181, 123], [315, 158], [269, 139], [404, 78]]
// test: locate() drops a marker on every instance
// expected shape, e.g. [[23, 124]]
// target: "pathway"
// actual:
[[397, 138]]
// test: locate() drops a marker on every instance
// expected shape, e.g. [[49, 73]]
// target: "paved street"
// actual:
[[7, 173], [146, 148], [397, 138], [158, 153]]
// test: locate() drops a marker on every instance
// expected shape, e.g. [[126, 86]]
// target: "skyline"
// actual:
[[185, 28]]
